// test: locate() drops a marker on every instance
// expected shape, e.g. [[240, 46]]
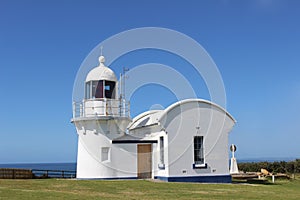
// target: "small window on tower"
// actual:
[[105, 151]]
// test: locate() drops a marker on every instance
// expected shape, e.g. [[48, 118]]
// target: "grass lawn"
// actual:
[[143, 189]]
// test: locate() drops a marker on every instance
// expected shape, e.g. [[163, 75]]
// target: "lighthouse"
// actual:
[[187, 141], [100, 117]]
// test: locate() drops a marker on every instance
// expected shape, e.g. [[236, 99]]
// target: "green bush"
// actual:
[[273, 167]]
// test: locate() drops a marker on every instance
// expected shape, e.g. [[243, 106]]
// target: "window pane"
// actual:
[[94, 85], [105, 153], [110, 89], [99, 90], [87, 90], [198, 150], [161, 148]]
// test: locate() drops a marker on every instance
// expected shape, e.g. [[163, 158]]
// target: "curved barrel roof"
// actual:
[[155, 116]]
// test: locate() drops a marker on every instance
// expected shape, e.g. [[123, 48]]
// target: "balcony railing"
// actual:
[[101, 107]]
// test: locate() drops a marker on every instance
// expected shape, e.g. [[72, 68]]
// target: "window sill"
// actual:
[[199, 166]]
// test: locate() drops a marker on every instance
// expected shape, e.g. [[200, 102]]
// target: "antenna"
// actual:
[[125, 69], [122, 92]]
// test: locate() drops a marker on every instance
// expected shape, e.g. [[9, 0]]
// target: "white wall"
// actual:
[[198, 119], [92, 136], [156, 155]]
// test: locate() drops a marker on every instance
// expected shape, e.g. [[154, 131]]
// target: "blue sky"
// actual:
[[255, 44]]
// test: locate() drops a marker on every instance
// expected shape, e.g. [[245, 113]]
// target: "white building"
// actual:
[[188, 141]]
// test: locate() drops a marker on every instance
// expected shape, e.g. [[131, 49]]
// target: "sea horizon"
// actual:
[[65, 166], [266, 159]]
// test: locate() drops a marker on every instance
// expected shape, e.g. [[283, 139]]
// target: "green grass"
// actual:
[[142, 189]]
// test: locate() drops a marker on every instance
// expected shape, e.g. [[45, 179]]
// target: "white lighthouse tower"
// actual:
[[99, 118]]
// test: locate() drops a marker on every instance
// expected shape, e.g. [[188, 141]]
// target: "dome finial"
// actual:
[[101, 58]]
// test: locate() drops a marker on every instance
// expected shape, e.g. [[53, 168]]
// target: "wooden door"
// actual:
[[144, 161]]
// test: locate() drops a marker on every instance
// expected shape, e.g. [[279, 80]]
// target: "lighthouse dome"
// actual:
[[101, 72]]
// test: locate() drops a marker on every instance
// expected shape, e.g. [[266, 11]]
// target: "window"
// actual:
[[161, 164], [87, 90], [91, 89], [143, 122], [100, 89], [105, 154], [109, 89], [198, 150], [161, 149]]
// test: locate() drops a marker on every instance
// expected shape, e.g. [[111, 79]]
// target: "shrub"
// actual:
[[273, 167]]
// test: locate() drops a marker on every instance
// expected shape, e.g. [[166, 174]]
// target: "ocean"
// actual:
[[42, 166]]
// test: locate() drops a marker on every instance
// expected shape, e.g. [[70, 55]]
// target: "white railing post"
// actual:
[[81, 110], [106, 107], [120, 107], [128, 110]]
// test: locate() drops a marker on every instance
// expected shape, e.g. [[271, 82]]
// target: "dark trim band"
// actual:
[[197, 179], [117, 178]]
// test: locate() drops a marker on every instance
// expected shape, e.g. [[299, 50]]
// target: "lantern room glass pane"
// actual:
[[93, 88], [99, 89], [87, 90], [110, 89]]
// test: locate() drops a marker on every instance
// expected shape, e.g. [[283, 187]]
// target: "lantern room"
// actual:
[[101, 98], [101, 82]]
